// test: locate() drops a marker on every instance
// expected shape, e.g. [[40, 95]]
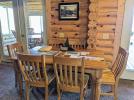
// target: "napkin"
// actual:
[[95, 58]]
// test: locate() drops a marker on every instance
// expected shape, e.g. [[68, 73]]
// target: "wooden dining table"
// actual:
[[94, 64]]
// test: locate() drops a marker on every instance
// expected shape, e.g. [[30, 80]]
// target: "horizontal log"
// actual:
[[106, 20], [68, 34], [105, 49], [107, 42], [108, 58], [82, 37], [105, 10], [55, 14], [67, 28], [106, 28], [105, 35], [104, 45], [64, 39], [108, 3], [82, 21], [70, 1], [93, 15], [81, 11], [81, 4], [107, 14]]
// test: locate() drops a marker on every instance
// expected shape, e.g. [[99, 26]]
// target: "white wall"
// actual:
[[127, 23], [127, 27]]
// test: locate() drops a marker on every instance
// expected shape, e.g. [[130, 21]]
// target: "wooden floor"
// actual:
[[9, 92]]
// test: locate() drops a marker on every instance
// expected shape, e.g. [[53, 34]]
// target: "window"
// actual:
[[36, 22]]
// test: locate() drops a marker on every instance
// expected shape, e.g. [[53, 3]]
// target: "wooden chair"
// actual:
[[34, 71], [112, 77], [55, 43], [70, 75], [77, 44], [12, 50]]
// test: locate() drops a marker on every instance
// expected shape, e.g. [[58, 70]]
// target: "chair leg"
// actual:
[[98, 87], [46, 93], [27, 91], [16, 78], [20, 83], [58, 91], [81, 93], [114, 90], [16, 73]]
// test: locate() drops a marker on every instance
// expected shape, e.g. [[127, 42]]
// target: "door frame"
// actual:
[[126, 33], [1, 39], [22, 19]]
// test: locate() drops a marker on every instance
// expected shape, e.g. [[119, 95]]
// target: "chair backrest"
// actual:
[[13, 48], [77, 44], [69, 71], [55, 44], [14, 33], [120, 63], [33, 68]]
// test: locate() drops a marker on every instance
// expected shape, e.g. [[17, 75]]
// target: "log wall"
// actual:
[[100, 21], [105, 26], [75, 30]]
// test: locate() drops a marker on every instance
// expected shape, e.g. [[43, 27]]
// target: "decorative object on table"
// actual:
[[66, 44], [46, 48], [69, 11]]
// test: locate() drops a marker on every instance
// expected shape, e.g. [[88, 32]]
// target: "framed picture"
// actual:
[[69, 11]]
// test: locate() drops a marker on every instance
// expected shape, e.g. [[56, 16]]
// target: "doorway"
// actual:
[[7, 26], [127, 38], [34, 22]]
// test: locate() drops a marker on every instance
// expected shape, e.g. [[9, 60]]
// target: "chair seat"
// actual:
[[107, 77], [41, 83], [107, 70], [75, 89]]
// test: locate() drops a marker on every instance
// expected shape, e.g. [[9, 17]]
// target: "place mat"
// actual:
[[48, 53], [94, 58]]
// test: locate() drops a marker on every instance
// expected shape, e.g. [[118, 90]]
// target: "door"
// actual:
[[127, 39], [7, 26], [34, 12]]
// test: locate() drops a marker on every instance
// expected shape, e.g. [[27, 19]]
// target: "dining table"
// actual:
[[94, 63]]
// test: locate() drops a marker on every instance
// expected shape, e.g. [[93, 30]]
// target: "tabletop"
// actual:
[[91, 62]]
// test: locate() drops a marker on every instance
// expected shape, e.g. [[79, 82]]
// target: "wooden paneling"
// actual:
[[105, 25], [100, 20], [75, 30]]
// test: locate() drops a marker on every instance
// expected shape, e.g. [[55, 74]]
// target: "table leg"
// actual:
[[97, 91], [96, 85]]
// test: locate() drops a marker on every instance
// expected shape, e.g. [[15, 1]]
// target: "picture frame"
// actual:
[[69, 11]]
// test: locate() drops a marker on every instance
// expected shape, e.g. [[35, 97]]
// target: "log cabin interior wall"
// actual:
[[105, 26], [59, 30], [100, 21]]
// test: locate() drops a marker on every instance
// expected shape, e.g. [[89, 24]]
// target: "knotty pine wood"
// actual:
[[100, 21], [105, 25], [75, 30]]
